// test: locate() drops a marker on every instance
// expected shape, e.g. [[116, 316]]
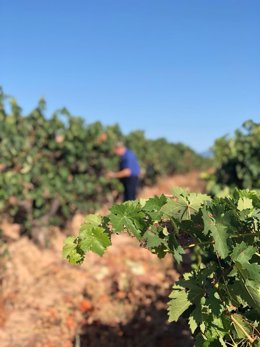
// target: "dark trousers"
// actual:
[[130, 187]]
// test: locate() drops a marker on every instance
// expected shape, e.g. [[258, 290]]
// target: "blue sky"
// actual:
[[185, 70]]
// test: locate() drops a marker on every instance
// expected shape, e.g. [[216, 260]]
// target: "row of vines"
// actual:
[[52, 166], [237, 160]]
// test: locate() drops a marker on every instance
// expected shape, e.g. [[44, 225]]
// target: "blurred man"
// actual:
[[129, 171]]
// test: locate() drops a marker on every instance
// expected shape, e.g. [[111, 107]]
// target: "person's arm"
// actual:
[[119, 174]]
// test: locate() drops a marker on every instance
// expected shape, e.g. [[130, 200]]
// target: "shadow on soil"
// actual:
[[148, 327]]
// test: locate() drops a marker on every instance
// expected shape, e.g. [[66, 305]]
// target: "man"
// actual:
[[129, 171]]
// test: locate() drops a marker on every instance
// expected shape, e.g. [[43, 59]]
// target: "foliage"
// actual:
[[51, 167], [220, 296], [237, 160]]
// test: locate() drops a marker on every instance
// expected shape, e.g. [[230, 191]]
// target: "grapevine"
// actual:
[[220, 296], [237, 160]]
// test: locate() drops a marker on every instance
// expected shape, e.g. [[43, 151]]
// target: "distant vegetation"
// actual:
[[237, 160], [53, 166]]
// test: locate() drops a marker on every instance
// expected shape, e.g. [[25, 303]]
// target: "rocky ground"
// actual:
[[114, 301]]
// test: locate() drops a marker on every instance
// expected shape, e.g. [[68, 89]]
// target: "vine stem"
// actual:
[[234, 343], [250, 339], [174, 225], [200, 244]]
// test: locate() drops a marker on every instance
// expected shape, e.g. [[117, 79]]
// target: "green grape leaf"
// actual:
[[200, 341], [178, 304], [197, 200], [71, 252], [242, 253], [220, 236], [214, 302], [183, 206], [75, 257], [93, 239], [195, 318], [238, 294], [153, 206], [253, 289], [218, 231], [129, 216], [93, 219], [155, 203], [244, 204], [152, 238], [177, 208], [177, 253], [179, 191], [68, 245], [216, 330], [241, 326]]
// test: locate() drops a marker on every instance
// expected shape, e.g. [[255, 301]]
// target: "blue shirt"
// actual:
[[129, 161]]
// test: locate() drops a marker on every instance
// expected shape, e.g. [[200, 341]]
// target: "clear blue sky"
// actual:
[[185, 70]]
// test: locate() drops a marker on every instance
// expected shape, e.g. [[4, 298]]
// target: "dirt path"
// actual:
[[117, 300], [190, 180]]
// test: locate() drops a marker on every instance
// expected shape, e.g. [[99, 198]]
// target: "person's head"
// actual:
[[119, 148]]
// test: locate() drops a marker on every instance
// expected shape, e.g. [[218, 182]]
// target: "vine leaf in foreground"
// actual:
[[220, 295], [218, 231], [93, 238], [183, 205], [178, 304], [128, 216], [71, 250]]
